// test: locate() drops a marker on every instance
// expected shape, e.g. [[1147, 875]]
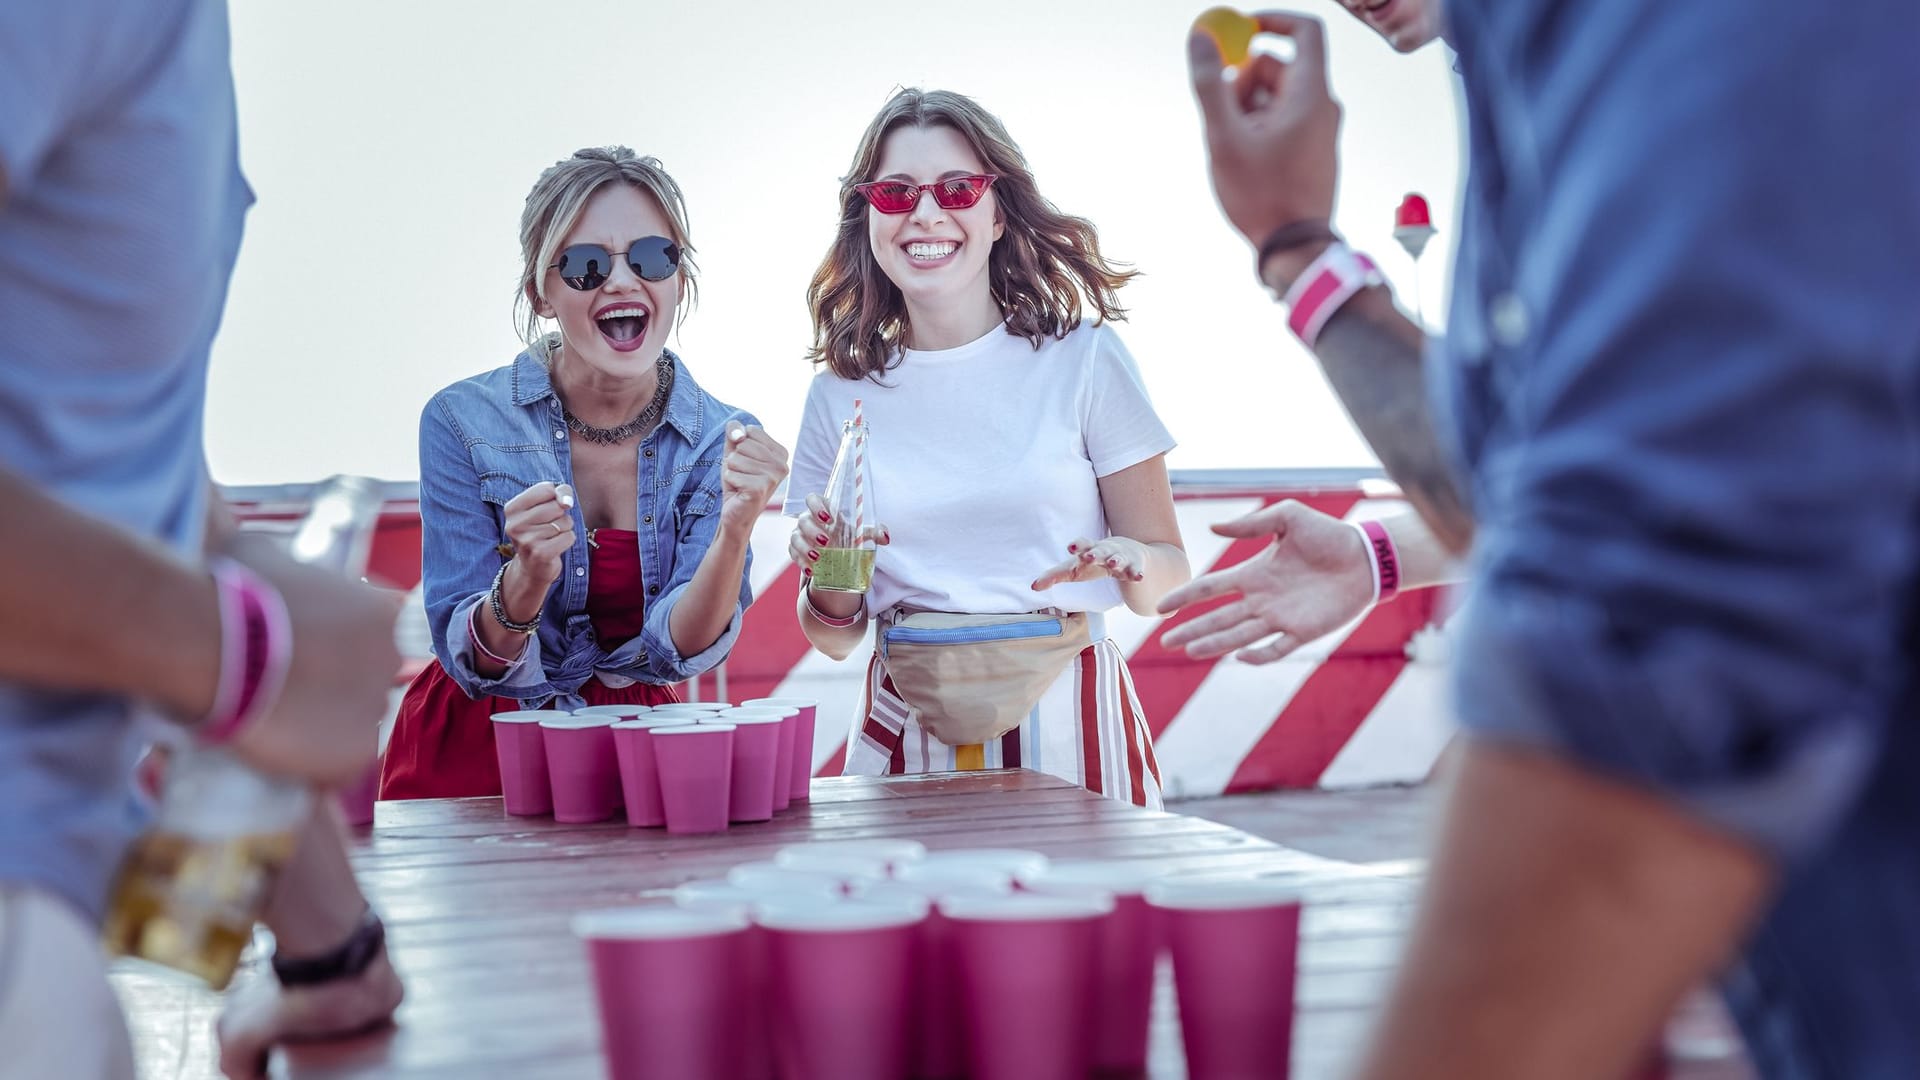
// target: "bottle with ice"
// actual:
[[846, 563], [191, 888]]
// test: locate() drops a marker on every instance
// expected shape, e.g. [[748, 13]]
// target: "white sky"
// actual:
[[392, 146]]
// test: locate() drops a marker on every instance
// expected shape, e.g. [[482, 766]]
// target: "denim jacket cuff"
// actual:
[[662, 657], [525, 677]]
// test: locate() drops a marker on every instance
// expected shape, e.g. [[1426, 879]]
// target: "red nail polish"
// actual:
[[1071, 548], [813, 556], [824, 518]]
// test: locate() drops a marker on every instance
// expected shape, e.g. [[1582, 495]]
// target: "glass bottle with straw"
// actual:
[[846, 563]]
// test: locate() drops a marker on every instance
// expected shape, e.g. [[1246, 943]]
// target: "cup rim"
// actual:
[[757, 711], [692, 706], [1012, 860], [722, 891], [932, 891], [1026, 907], [644, 723], [1231, 894], [952, 874], [613, 710], [750, 875], [796, 702], [577, 723], [526, 716], [847, 867], [851, 915], [884, 848], [660, 922], [693, 729], [1120, 877], [740, 721]]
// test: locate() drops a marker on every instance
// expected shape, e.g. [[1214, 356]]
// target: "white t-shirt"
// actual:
[[985, 462]]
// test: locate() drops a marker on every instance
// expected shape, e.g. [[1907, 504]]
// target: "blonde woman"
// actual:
[[586, 509], [1018, 465]]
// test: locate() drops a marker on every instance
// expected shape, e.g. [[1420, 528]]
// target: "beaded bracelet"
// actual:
[[500, 609], [256, 648]]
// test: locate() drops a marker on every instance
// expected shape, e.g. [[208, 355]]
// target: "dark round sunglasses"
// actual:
[[953, 193], [586, 267]]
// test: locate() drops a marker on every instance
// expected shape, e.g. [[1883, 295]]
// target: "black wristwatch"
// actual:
[[350, 959]]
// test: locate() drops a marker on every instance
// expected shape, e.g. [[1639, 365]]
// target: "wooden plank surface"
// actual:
[[478, 906]]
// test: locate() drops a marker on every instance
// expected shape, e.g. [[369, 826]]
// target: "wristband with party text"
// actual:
[[256, 648], [1337, 276], [1382, 557]]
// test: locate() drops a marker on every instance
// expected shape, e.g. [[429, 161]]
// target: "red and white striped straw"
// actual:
[[859, 472]]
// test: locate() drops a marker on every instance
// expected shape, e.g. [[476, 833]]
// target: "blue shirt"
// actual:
[[486, 439], [123, 211], [1683, 377]]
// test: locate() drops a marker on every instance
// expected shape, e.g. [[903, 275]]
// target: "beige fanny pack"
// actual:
[[973, 678]]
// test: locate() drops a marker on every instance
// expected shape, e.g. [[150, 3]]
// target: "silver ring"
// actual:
[[557, 530]]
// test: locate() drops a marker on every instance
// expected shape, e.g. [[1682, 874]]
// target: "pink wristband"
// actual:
[[256, 648], [1386, 560], [474, 633], [830, 620], [1337, 276]]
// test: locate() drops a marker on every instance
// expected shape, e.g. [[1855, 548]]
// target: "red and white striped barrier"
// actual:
[[1363, 706]]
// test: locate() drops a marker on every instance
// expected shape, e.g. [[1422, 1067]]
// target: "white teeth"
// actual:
[[936, 250], [616, 313]]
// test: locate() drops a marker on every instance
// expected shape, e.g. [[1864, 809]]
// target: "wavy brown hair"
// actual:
[[1039, 271]]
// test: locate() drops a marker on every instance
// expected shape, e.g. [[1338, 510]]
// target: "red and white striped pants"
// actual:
[[1087, 728]]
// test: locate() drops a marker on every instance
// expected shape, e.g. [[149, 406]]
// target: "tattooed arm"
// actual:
[[1372, 356]]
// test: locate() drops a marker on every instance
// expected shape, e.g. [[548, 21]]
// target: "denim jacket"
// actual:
[[486, 439]]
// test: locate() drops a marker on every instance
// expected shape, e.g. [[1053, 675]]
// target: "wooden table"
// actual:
[[477, 906]]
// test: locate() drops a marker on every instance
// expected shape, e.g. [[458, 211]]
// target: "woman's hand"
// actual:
[[1115, 557], [539, 525], [815, 530], [754, 465]]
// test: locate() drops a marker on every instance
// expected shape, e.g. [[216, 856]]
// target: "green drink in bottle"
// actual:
[[846, 563]]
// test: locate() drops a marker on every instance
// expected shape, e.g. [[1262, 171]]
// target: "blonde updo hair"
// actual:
[[555, 204]]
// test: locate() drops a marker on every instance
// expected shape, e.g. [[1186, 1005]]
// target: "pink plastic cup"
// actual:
[[1026, 968], [671, 985], [695, 765], [714, 894], [522, 749], [1234, 946], [939, 1041], [582, 767], [756, 754], [772, 879], [639, 777], [1126, 946], [841, 979], [783, 768], [802, 742]]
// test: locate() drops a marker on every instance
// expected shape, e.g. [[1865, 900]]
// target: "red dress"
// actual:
[[442, 744]]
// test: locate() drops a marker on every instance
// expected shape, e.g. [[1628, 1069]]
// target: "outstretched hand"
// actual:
[[1314, 578]]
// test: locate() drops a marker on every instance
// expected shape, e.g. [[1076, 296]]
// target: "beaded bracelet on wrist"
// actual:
[[500, 609]]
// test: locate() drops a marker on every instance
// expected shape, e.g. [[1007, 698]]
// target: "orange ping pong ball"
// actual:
[[1231, 31]]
